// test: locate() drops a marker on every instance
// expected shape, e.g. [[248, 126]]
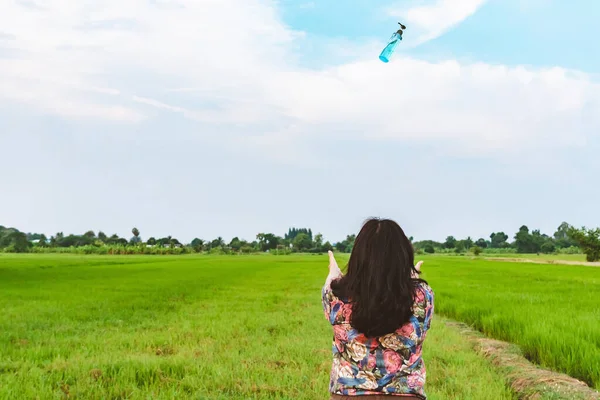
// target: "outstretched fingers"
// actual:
[[334, 270], [418, 266]]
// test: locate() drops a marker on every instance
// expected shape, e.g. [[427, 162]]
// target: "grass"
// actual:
[[190, 327], [539, 257], [528, 381], [551, 311]]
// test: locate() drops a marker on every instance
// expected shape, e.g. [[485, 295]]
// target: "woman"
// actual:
[[380, 311]]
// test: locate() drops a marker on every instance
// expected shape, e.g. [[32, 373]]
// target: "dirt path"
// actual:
[[559, 262], [526, 379]]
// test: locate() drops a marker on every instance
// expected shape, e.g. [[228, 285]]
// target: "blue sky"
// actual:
[[185, 118], [511, 32]]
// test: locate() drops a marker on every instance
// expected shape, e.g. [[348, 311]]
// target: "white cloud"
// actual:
[[427, 22], [213, 65], [70, 44]]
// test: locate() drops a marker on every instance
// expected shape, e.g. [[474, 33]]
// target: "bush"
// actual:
[[476, 250], [216, 251], [246, 249], [429, 249], [548, 248], [589, 241], [282, 251], [570, 250], [117, 249], [506, 250]]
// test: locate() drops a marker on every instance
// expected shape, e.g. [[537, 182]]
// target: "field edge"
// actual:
[[527, 380]]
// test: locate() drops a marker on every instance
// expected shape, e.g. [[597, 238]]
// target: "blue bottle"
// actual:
[[391, 46]]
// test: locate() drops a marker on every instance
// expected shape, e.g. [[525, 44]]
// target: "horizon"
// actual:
[[511, 236]]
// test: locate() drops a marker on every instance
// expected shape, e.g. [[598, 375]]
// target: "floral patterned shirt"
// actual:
[[389, 364]]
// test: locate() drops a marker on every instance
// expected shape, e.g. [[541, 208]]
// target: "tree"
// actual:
[[539, 240], [318, 243], [318, 240], [450, 242], [18, 242], [136, 236], [293, 232], [498, 240], [468, 242], [302, 242], [58, 238], [268, 241], [429, 249], [90, 235], [163, 242], [69, 241], [102, 237], [562, 238], [350, 239], [151, 241], [481, 243], [524, 241], [589, 241], [198, 245], [42, 241], [114, 239], [216, 243], [476, 250], [530, 242], [422, 244], [346, 245], [13, 240], [33, 236], [548, 248], [235, 244]]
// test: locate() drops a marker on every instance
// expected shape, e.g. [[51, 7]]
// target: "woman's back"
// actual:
[[380, 311], [389, 364]]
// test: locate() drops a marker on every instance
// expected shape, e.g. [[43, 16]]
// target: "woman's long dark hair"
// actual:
[[379, 282]]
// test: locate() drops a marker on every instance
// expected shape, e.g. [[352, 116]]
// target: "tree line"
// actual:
[[566, 239], [296, 240]]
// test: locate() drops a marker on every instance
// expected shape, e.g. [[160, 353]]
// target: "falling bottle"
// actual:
[[391, 46]]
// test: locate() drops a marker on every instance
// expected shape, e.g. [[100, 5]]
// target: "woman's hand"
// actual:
[[334, 270], [333, 265], [414, 274]]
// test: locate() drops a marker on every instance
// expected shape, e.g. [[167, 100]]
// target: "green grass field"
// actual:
[[252, 327], [539, 257], [551, 311], [187, 327]]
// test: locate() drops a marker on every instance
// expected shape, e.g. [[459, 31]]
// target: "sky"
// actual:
[[206, 118]]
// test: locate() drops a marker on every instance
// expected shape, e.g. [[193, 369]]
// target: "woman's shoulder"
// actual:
[[425, 291], [425, 286]]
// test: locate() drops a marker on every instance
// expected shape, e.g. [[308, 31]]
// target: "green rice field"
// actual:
[[251, 327], [551, 311]]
